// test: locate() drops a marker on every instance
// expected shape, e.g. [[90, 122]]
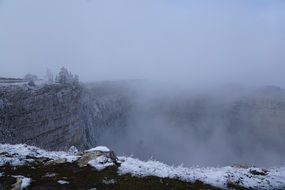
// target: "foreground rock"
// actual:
[[27, 167], [97, 156]]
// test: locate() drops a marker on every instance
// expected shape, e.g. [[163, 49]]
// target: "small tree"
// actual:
[[65, 77]]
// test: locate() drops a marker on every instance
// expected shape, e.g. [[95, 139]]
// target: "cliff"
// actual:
[[104, 106], [47, 116], [57, 116]]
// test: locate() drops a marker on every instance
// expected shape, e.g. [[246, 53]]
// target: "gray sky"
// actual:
[[180, 40]]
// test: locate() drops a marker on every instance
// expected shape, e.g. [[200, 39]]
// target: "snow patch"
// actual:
[[101, 163], [254, 178], [50, 175], [109, 181], [25, 182], [99, 148], [62, 182], [218, 177]]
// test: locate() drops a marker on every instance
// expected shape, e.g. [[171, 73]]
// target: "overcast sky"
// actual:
[[181, 40]]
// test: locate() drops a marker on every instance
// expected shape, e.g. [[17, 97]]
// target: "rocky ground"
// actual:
[[28, 167]]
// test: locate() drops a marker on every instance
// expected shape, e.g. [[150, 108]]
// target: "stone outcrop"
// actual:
[[57, 116], [104, 105], [47, 116], [95, 153]]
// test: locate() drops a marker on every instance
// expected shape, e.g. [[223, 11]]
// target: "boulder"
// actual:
[[94, 153]]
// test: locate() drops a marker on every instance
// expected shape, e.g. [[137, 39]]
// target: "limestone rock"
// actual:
[[95, 153], [57, 116]]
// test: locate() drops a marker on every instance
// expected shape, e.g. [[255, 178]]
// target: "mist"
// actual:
[[205, 42], [218, 127]]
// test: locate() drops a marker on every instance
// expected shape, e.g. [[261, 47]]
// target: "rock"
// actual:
[[58, 161], [73, 150], [21, 183], [258, 171], [36, 116], [17, 185], [56, 116], [95, 153]]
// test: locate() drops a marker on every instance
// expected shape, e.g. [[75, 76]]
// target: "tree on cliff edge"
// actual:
[[65, 77]]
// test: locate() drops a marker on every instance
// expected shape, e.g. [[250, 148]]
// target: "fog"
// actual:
[[188, 47], [207, 127], [209, 42]]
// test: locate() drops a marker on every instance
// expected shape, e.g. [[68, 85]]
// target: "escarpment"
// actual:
[[104, 106], [47, 116], [57, 116]]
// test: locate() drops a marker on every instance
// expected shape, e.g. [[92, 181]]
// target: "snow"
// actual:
[[101, 163], [255, 178], [25, 182], [62, 182], [38, 83], [219, 177], [12, 161], [13, 83], [50, 175], [73, 150], [99, 148], [109, 181], [22, 152]]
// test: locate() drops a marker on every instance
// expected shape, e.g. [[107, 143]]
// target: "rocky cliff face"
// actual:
[[104, 106], [47, 116], [57, 116]]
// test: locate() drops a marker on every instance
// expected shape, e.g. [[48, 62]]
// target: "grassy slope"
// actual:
[[88, 177]]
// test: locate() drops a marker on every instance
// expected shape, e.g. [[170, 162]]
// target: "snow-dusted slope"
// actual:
[[223, 177], [21, 154], [256, 178]]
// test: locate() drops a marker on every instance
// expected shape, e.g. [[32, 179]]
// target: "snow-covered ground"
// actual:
[[99, 148], [255, 178], [21, 154], [21, 82], [101, 163], [39, 83]]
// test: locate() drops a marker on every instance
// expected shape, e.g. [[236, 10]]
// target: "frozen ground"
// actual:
[[256, 178], [221, 177]]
